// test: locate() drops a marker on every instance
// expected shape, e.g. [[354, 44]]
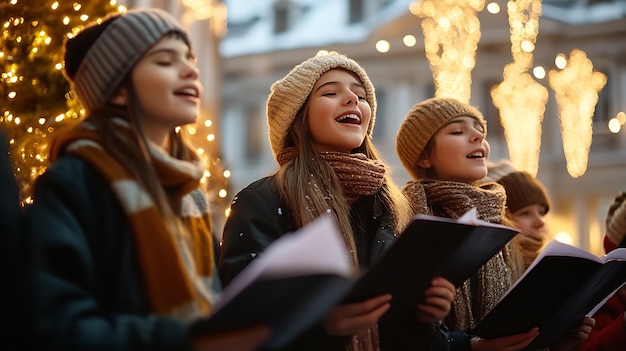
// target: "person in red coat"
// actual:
[[609, 332]]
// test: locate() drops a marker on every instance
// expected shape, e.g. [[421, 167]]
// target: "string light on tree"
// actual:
[[35, 99]]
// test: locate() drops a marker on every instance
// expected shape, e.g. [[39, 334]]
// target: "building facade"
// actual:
[[267, 38]]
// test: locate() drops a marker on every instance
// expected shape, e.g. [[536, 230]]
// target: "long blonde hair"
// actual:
[[311, 188]]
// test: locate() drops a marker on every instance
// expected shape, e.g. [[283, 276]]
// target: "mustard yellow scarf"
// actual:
[[177, 268]]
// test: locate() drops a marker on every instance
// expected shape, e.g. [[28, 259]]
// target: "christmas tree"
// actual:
[[35, 95]]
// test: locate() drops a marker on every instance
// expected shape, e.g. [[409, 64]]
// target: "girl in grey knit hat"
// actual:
[[120, 219]]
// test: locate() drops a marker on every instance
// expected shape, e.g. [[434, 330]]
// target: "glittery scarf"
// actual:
[[359, 176], [177, 276], [478, 295]]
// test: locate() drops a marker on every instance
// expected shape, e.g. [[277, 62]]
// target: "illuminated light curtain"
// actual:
[[451, 34], [576, 87], [519, 98]]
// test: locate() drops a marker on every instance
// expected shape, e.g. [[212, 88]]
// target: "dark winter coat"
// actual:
[[88, 283], [259, 216]]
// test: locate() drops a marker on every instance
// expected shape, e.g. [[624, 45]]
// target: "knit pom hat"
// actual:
[[287, 95], [616, 221], [100, 56], [423, 121], [522, 189]]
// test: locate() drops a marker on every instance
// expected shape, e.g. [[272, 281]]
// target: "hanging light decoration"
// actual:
[[576, 87], [519, 98], [451, 34], [521, 101]]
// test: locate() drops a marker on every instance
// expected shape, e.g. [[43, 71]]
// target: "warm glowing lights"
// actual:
[[521, 101], [451, 34], [208, 123], [493, 8], [576, 88], [539, 72], [519, 98], [564, 237], [524, 27], [616, 123], [527, 46], [560, 61], [222, 193], [382, 46], [409, 40], [210, 137], [55, 5], [226, 173]]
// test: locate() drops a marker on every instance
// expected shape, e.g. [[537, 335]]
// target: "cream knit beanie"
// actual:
[[288, 94], [101, 55], [422, 122]]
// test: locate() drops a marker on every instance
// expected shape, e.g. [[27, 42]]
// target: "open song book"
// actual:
[[289, 287], [301, 275], [562, 285], [430, 246]]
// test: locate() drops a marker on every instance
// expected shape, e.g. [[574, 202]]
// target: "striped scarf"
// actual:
[[177, 268]]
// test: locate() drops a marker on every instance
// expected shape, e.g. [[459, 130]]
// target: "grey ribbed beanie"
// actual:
[[422, 122], [287, 95], [99, 57]]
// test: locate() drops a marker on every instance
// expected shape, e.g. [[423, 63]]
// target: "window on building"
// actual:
[[281, 18], [356, 11], [255, 135]]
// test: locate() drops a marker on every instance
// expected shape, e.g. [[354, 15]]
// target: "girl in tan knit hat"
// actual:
[[442, 144], [320, 118], [120, 220]]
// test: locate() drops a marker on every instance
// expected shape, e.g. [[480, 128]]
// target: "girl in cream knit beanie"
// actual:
[[320, 117], [288, 95]]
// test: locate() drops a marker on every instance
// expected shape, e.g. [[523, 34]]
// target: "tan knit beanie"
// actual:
[[616, 220], [423, 121], [288, 94], [522, 189]]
